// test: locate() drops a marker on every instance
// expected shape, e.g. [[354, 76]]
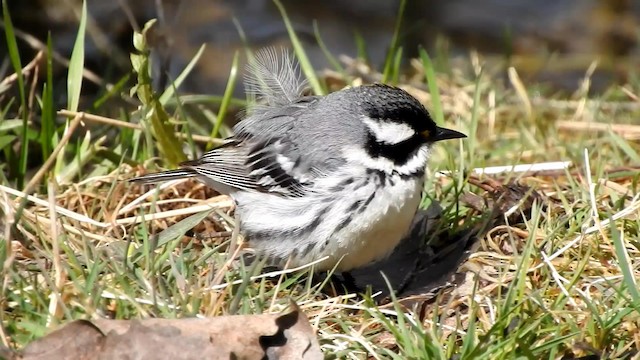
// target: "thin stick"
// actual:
[[59, 209], [518, 168], [214, 203], [35, 43], [627, 131], [25, 70], [124, 124], [170, 213]]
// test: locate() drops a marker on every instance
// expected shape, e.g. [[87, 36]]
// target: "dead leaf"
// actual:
[[284, 336]]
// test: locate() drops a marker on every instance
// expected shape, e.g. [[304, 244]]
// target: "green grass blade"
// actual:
[[48, 111], [76, 64], [170, 91], [473, 126], [625, 146], [226, 99], [11, 124], [397, 60], [430, 74], [389, 62], [305, 64], [625, 265], [115, 91], [361, 45], [181, 227], [5, 140], [327, 54], [14, 56]]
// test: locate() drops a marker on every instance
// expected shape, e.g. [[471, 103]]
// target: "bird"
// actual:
[[336, 177]]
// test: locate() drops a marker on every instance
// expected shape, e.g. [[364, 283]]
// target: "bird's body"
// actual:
[[338, 176]]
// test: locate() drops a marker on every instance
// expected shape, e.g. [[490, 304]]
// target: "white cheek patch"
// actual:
[[389, 132]]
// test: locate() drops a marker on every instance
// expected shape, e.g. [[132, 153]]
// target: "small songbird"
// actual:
[[339, 176]]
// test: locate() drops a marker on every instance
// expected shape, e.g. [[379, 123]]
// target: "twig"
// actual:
[[213, 203], [519, 168], [520, 90], [25, 70], [124, 124], [140, 199], [35, 43], [171, 213], [571, 104], [59, 209], [627, 131]]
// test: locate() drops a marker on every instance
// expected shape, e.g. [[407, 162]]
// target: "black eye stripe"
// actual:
[[399, 153]]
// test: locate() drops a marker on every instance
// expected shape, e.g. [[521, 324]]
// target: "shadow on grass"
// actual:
[[427, 260]]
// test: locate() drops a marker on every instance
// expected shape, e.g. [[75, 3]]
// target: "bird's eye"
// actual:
[[389, 132]]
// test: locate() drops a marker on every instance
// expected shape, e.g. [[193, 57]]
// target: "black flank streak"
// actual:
[[313, 225], [307, 249], [347, 181], [270, 235], [296, 164], [273, 234], [342, 224], [342, 185], [383, 179], [356, 204], [364, 206], [295, 252]]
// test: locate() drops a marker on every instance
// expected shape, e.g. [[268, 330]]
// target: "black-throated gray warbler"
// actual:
[[313, 176]]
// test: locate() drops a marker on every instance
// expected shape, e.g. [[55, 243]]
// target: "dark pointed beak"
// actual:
[[446, 134]]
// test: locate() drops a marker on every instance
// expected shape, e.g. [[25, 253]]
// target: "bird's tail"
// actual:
[[164, 176]]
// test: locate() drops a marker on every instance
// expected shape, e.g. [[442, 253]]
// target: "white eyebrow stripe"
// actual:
[[389, 132]]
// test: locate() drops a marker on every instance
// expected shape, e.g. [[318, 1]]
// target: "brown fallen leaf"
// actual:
[[284, 336]]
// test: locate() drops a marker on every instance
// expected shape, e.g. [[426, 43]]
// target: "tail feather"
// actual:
[[164, 176]]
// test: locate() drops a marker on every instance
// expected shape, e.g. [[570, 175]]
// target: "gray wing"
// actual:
[[249, 166], [267, 153], [262, 156]]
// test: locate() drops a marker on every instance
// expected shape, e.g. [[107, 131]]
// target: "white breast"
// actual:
[[370, 233], [373, 234]]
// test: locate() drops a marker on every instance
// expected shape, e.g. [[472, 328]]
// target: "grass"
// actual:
[[559, 284]]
